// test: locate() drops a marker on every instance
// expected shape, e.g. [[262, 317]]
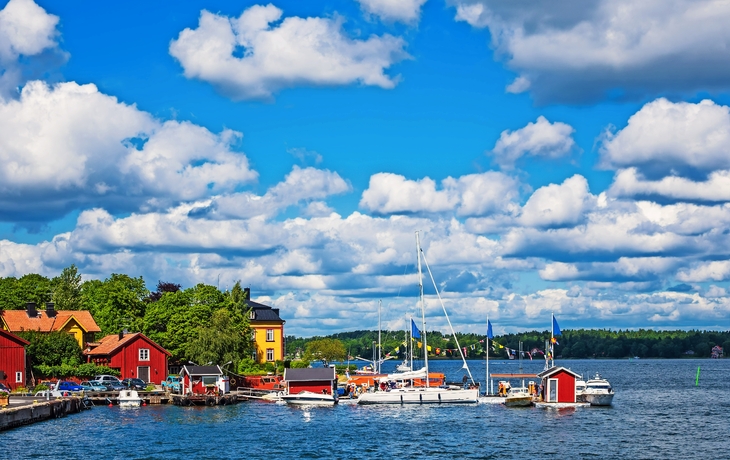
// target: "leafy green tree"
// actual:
[[226, 339], [116, 303], [326, 350], [67, 289], [52, 349]]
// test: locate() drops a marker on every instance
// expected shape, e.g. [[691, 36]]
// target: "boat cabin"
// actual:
[[317, 380], [558, 385], [201, 380]]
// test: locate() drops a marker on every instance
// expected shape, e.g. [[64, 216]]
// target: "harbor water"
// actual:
[[658, 412]]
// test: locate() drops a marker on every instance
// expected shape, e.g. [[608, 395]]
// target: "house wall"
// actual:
[[126, 359], [261, 344], [566, 386], [12, 360], [313, 386], [73, 328]]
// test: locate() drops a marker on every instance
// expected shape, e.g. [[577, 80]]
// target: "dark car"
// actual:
[[4, 388], [134, 384], [65, 385]]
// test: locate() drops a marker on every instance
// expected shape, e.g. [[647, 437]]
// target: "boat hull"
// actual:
[[420, 396], [599, 399], [309, 399], [518, 401]]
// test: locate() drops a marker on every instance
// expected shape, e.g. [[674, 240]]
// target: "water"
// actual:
[[657, 413]]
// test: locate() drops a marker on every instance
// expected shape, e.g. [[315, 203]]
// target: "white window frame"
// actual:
[[269, 335], [270, 356], [253, 335], [144, 354], [18, 377]]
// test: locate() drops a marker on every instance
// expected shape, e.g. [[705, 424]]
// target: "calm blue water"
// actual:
[[657, 413]]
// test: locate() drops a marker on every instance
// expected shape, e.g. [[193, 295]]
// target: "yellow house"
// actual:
[[78, 323], [268, 331]]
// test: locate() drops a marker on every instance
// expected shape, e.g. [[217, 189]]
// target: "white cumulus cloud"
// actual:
[[580, 51], [540, 139], [469, 195], [68, 145], [558, 205], [257, 54], [407, 11]]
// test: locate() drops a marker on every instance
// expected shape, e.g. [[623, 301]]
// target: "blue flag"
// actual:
[[415, 333], [489, 330], [556, 328]]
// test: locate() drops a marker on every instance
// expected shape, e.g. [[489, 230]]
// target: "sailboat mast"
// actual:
[[379, 347], [486, 379], [423, 309], [552, 340]]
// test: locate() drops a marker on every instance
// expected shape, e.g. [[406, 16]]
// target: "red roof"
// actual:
[[18, 320], [111, 343], [14, 338]]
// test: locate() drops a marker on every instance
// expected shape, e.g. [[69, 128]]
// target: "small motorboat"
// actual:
[[598, 391], [309, 398], [129, 398], [518, 397], [580, 391]]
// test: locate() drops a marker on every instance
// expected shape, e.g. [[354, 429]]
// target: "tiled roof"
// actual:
[[17, 320], [264, 312], [109, 344]]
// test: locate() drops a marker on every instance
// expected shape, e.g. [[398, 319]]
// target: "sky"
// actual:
[[567, 158]]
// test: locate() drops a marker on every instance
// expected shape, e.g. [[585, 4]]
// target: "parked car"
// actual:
[[4, 388], [173, 383], [110, 382], [65, 385], [134, 384], [92, 386]]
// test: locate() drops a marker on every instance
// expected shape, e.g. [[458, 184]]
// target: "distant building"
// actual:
[[78, 323], [12, 360], [200, 380], [133, 355], [316, 380], [716, 352], [268, 331]]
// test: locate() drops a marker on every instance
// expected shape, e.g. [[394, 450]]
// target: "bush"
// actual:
[[299, 364]]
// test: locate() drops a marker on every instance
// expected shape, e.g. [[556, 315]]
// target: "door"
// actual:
[[552, 390], [143, 372]]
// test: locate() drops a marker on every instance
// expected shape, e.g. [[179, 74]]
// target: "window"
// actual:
[[144, 354], [253, 335], [18, 377], [252, 315], [269, 335], [255, 355], [269, 354]]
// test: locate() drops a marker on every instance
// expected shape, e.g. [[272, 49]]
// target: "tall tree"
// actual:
[[226, 339], [116, 303], [325, 350], [163, 287], [67, 289]]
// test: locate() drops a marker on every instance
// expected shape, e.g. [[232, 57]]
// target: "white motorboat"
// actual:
[[403, 367], [309, 398], [398, 389], [129, 398], [598, 391], [580, 391], [518, 397]]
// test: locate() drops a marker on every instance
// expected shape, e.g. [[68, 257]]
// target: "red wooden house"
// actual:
[[316, 380], [201, 380], [558, 385], [133, 355], [12, 360]]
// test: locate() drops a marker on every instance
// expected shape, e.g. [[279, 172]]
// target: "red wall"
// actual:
[[566, 386], [12, 360], [314, 387], [126, 360]]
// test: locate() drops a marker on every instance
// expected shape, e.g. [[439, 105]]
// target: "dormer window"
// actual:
[[252, 315]]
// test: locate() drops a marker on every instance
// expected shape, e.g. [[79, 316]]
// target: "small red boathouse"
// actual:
[[558, 385], [317, 380]]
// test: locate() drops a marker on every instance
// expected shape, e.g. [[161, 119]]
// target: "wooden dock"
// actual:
[[24, 410], [204, 400], [111, 397]]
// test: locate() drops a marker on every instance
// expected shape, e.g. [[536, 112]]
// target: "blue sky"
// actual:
[[569, 158]]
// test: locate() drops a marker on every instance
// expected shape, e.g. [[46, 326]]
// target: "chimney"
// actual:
[[247, 293], [121, 335], [30, 308], [50, 311]]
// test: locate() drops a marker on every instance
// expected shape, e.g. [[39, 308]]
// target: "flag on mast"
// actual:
[[489, 330], [556, 328], [415, 333]]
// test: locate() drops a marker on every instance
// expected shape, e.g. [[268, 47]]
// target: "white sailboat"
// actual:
[[398, 391]]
